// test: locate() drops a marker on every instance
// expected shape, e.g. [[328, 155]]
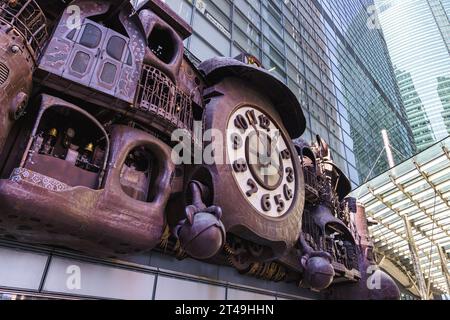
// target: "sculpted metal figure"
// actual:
[[91, 94]]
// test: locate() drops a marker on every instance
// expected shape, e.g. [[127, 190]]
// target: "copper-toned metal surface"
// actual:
[[201, 234], [37, 207], [165, 47], [23, 31], [327, 233], [167, 14], [92, 165], [281, 96], [277, 234], [28, 20], [94, 56], [161, 100], [375, 284]]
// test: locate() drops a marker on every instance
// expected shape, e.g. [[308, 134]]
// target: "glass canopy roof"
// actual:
[[418, 190]]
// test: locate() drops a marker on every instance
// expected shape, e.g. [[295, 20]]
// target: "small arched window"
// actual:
[[115, 47], [91, 37]]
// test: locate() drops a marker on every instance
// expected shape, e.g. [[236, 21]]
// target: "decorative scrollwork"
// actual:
[[20, 175]]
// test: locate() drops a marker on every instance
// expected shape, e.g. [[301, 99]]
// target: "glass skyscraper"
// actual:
[[331, 58], [417, 33]]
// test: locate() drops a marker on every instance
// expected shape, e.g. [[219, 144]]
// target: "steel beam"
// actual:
[[417, 204], [444, 268], [423, 290]]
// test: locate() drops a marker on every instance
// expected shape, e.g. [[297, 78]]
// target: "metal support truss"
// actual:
[[417, 204], [406, 238], [444, 268], [423, 291]]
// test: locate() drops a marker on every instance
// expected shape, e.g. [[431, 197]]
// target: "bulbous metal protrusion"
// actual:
[[202, 235], [384, 287], [15, 49], [204, 238], [319, 273]]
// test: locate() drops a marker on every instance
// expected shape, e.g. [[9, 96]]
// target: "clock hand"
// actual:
[[256, 129], [264, 157]]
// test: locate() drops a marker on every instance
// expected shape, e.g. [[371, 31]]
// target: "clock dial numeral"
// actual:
[[237, 141], [280, 203], [289, 174], [251, 116], [288, 194], [240, 165], [285, 154], [264, 122], [253, 188], [262, 161], [241, 123], [265, 203]]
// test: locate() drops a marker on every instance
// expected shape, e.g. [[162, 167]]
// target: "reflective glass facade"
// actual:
[[417, 33], [326, 52]]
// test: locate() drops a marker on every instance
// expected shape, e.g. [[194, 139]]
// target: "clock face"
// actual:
[[261, 162]]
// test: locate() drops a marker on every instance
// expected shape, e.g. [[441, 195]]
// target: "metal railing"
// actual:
[[158, 95], [311, 185], [28, 19]]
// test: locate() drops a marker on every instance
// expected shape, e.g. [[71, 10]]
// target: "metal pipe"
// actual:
[[387, 147]]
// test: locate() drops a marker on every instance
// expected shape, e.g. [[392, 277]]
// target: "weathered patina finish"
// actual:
[[101, 220], [20, 46], [90, 165]]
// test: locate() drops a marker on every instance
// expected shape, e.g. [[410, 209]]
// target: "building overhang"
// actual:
[[417, 191]]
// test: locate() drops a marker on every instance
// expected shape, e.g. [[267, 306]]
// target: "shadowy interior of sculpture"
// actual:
[[341, 246], [332, 238], [138, 174], [162, 44], [248, 258], [68, 148], [326, 223]]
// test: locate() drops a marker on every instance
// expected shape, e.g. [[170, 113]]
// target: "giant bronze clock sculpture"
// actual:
[[259, 185], [87, 117]]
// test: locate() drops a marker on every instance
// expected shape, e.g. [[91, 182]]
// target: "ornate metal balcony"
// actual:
[[159, 96], [28, 19], [311, 186]]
